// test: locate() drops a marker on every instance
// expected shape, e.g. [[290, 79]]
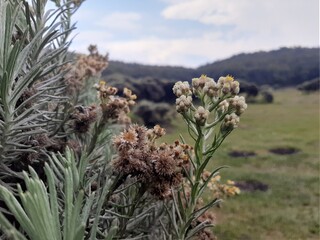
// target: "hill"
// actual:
[[135, 70], [282, 67]]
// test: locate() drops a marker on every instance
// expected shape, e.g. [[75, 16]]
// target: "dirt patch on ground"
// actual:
[[252, 185], [236, 153], [284, 150]]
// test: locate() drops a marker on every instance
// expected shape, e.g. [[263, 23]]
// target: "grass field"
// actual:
[[289, 209]]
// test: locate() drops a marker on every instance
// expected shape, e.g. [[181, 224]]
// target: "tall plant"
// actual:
[[33, 104]]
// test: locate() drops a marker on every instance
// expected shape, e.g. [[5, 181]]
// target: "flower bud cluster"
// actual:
[[182, 88], [239, 104], [231, 121], [104, 91], [221, 96], [85, 67], [211, 88], [183, 103], [201, 115], [156, 132], [228, 85], [131, 97], [115, 107], [83, 117], [219, 189], [205, 85], [199, 83]]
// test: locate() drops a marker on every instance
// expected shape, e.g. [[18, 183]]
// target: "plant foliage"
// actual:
[[65, 170]]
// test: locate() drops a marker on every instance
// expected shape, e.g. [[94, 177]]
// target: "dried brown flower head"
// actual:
[[114, 107], [161, 166], [83, 117], [28, 93], [85, 66]]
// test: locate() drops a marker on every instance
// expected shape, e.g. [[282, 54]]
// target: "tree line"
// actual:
[[278, 68]]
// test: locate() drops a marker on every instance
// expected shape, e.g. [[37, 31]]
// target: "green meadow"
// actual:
[[289, 207]]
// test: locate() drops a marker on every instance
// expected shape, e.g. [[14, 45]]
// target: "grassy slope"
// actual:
[[290, 208]]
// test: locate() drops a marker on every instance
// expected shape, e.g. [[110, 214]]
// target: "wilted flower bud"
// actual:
[[201, 115], [156, 132]]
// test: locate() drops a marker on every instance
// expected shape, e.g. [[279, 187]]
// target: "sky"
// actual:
[[191, 33]]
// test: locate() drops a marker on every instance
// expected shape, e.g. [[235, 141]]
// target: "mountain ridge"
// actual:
[[280, 67]]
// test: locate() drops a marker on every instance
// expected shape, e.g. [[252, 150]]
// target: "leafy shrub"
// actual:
[[267, 96], [147, 88], [310, 86], [250, 89], [152, 113]]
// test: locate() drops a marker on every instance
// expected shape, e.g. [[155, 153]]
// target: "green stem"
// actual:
[[133, 207], [98, 130]]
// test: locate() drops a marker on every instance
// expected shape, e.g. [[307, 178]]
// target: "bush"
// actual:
[[266, 94], [250, 89], [152, 113], [310, 86]]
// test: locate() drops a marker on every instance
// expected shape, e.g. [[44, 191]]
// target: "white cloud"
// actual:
[[257, 25], [204, 11], [120, 21], [153, 50], [181, 51], [294, 21]]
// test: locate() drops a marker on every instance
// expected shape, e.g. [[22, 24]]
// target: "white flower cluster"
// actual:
[[220, 95], [183, 103], [182, 88], [207, 86], [239, 104], [231, 121], [211, 88], [199, 83], [201, 115], [228, 85]]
